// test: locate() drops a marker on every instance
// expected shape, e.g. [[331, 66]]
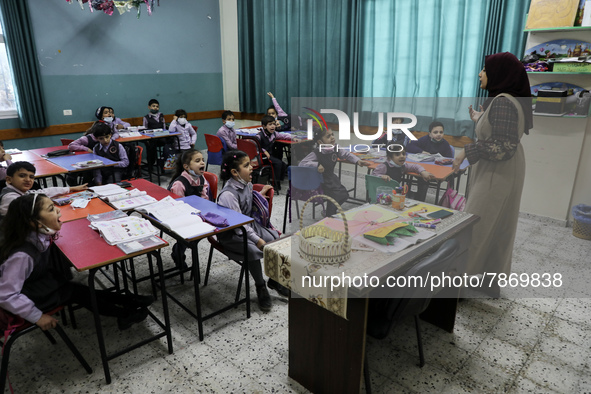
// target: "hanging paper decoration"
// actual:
[[108, 6]]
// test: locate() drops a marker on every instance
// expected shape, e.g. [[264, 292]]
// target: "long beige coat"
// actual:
[[495, 195]]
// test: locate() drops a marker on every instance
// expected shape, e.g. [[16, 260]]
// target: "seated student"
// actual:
[[180, 124], [188, 180], [325, 160], [6, 158], [33, 281], [87, 142], [226, 132], [237, 195], [395, 167], [432, 142], [154, 119], [398, 136], [274, 153], [20, 177], [107, 115], [111, 150]]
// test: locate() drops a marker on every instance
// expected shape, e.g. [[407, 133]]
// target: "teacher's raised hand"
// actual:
[[475, 115]]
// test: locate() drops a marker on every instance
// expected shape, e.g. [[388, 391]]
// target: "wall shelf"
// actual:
[[561, 116], [558, 73], [558, 29]]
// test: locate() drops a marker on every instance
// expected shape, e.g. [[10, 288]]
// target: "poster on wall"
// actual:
[[552, 13]]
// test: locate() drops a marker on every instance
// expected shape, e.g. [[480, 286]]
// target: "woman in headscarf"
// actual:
[[498, 165]]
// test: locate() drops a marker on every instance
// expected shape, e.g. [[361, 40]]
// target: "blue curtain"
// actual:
[[376, 48], [19, 39], [504, 29], [297, 48]]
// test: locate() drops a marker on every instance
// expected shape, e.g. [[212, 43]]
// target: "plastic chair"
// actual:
[[213, 185], [215, 244], [26, 328], [372, 183], [215, 149], [66, 141], [304, 182], [384, 313], [252, 148]]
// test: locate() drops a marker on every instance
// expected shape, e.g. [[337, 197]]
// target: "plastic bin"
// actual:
[[582, 221]]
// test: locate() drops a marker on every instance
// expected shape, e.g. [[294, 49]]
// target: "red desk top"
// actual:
[[133, 139], [153, 190], [45, 168], [95, 206], [44, 151], [85, 248], [26, 155]]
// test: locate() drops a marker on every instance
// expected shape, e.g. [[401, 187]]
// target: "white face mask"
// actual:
[[182, 121], [108, 119], [193, 174], [230, 124], [393, 164], [46, 230]]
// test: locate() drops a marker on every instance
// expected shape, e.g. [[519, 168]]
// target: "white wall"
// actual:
[[229, 35]]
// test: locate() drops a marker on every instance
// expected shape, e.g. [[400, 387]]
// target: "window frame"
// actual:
[[13, 113]]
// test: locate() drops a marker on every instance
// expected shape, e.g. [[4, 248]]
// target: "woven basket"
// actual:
[[318, 252], [581, 230]]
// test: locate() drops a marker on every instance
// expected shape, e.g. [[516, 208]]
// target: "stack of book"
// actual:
[[129, 233], [179, 217], [121, 198]]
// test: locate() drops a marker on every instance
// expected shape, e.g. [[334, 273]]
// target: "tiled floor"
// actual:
[[499, 345]]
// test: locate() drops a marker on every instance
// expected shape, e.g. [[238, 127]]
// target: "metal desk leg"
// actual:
[[164, 301], [195, 257], [97, 324]]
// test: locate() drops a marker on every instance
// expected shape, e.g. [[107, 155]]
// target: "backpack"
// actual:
[[260, 210], [452, 199]]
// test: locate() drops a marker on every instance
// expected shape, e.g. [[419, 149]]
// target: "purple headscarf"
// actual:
[[506, 74]]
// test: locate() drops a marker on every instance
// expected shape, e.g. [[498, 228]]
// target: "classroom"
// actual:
[[322, 69]]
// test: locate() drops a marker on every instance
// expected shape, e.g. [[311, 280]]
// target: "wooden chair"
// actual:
[[215, 244], [212, 179], [384, 313], [253, 149], [24, 328], [215, 149], [304, 182]]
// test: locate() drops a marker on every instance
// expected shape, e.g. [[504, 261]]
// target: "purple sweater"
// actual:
[[229, 136], [13, 273], [425, 144]]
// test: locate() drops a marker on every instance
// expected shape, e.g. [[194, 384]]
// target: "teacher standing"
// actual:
[[498, 164]]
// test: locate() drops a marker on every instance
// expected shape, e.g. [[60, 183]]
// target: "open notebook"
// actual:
[[178, 216], [129, 199]]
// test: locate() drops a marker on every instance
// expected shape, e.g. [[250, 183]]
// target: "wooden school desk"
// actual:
[[235, 220], [68, 161], [95, 206], [326, 351], [87, 251], [153, 139], [43, 168]]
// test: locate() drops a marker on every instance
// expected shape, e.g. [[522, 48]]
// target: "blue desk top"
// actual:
[[68, 161], [234, 218], [159, 135]]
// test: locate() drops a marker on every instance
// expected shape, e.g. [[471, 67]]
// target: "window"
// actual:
[[7, 97]]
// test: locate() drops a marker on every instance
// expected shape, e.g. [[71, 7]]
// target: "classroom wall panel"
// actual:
[[92, 59], [128, 94]]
